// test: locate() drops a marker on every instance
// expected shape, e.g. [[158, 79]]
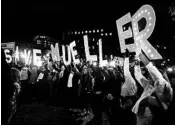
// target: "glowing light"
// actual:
[[152, 55], [164, 47], [149, 51], [138, 14], [168, 59], [88, 56], [86, 31], [150, 18], [170, 69], [55, 52], [27, 56], [112, 64], [75, 32], [66, 62], [141, 36], [147, 30], [102, 34], [97, 31], [138, 38], [36, 58], [145, 47], [142, 11], [39, 63], [104, 63], [82, 32], [94, 63], [89, 31], [106, 34], [110, 34], [93, 31], [101, 61], [22, 55], [146, 34], [7, 55], [148, 13], [124, 28], [149, 24], [101, 30], [74, 52]]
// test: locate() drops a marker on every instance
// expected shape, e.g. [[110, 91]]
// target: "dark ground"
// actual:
[[42, 114], [49, 113]]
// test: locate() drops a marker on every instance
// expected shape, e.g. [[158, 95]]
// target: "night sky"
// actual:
[[23, 21]]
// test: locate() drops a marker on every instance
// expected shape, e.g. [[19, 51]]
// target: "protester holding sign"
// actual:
[[155, 96]]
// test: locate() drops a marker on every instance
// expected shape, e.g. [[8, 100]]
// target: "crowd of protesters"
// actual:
[[138, 94]]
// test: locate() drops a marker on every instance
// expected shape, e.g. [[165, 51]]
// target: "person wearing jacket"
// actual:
[[128, 92], [129, 87], [15, 78], [156, 97]]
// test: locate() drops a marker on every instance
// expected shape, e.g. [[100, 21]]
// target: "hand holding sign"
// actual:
[[143, 58], [126, 53]]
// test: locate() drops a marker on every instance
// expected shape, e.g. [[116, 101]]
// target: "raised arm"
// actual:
[[155, 73], [126, 67], [139, 76]]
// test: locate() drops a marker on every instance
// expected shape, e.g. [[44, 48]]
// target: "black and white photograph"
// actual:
[[87, 63]]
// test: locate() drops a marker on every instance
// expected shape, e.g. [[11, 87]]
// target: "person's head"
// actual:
[[63, 68], [85, 71], [34, 68]]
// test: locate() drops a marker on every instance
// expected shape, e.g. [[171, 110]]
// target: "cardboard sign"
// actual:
[[8, 45]]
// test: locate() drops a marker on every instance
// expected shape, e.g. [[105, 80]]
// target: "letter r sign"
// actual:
[[140, 37]]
